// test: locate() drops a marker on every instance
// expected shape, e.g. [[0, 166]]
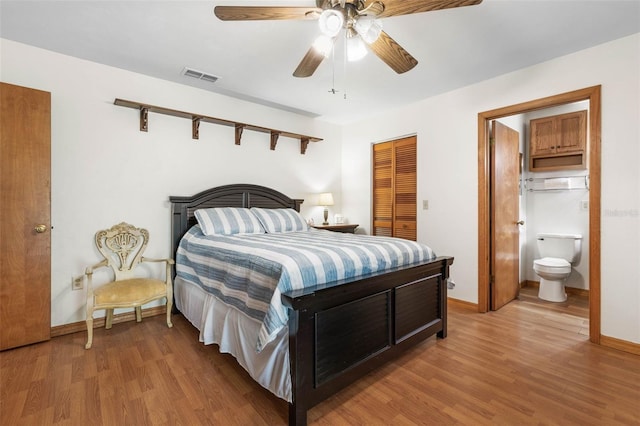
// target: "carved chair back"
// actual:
[[122, 247]]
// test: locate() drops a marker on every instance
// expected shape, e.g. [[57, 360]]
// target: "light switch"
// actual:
[[425, 204]]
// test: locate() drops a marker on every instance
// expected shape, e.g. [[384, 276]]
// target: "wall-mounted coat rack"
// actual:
[[557, 183], [196, 119]]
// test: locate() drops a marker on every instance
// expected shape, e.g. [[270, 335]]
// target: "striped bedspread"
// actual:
[[250, 271]]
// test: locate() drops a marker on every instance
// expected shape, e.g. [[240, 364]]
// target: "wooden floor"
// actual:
[[529, 363], [572, 315]]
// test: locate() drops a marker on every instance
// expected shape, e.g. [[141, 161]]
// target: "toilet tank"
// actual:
[[563, 246]]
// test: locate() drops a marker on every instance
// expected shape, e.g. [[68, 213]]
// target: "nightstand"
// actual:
[[346, 228]]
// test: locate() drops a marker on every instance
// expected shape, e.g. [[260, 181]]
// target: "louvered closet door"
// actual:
[[383, 189], [404, 217], [394, 188]]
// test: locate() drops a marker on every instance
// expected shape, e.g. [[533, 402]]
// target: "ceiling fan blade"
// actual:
[[263, 13], [393, 54], [309, 63], [406, 7], [374, 8]]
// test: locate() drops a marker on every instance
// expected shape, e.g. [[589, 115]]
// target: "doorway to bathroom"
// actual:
[[591, 255]]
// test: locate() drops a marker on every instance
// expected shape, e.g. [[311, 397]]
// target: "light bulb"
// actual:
[[369, 28], [356, 49], [331, 22], [323, 45]]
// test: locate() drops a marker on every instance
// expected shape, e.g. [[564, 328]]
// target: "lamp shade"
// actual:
[[331, 22], [369, 28], [325, 199], [355, 49], [323, 45]]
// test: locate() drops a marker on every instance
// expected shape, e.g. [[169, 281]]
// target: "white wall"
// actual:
[[104, 170], [446, 126]]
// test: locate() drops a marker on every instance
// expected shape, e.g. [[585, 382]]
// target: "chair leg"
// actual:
[[169, 302], [108, 322], [169, 323], [89, 332], [138, 313], [89, 320]]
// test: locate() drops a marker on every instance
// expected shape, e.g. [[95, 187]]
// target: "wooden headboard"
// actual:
[[238, 195]]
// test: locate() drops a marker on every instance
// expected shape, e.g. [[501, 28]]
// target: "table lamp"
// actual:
[[325, 199]]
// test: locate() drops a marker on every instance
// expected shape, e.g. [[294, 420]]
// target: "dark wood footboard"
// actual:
[[340, 333]]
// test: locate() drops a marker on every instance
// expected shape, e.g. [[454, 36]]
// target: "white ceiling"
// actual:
[[255, 60]]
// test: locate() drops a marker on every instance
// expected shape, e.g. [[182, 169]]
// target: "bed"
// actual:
[[335, 333]]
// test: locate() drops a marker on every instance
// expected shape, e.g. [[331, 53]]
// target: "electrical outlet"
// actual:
[[77, 283]]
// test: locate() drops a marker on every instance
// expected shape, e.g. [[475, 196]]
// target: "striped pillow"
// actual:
[[228, 221], [280, 220]]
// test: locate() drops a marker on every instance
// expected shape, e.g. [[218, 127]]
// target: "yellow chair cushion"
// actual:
[[133, 292]]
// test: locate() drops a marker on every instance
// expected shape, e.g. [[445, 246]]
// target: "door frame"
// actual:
[[592, 94]]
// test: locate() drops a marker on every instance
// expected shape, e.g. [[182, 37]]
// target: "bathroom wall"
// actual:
[[556, 211]]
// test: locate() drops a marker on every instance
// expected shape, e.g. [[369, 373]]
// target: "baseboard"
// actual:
[[621, 345], [462, 304], [75, 327], [568, 290]]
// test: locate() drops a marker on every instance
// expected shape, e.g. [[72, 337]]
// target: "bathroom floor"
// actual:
[[572, 315]]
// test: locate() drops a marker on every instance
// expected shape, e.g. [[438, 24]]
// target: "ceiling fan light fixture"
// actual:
[[356, 49], [331, 22], [369, 28], [323, 45]]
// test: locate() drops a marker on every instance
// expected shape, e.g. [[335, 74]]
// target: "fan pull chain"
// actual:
[[345, 64], [333, 69]]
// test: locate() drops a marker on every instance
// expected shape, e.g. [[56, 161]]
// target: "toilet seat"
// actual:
[[552, 265]]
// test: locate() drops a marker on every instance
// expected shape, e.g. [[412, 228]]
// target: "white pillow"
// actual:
[[228, 221], [280, 220]]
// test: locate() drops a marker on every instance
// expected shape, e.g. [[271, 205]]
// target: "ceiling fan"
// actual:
[[360, 20]]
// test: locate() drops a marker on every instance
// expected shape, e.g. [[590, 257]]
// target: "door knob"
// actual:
[[520, 222], [40, 228]]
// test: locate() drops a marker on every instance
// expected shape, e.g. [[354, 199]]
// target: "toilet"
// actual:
[[559, 252]]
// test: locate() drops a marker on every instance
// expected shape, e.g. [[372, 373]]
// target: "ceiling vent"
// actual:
[[199, 75]]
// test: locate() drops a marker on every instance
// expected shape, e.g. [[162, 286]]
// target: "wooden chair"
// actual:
[[122, 247]]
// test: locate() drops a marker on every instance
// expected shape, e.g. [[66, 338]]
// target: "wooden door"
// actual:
[[505, 171], [25, 216], [394, 188], [383, 189], [404, 188]]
